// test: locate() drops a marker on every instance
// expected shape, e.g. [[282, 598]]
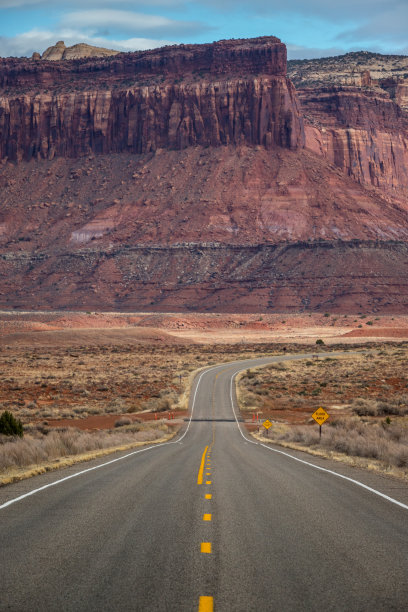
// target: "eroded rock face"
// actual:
[[401, 95], [60, 52], [363, 133], [179, 111]]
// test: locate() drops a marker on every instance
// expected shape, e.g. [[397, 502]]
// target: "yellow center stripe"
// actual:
[[206, 604], [205, 547], [208, 496], [207, 517], [201, 470]]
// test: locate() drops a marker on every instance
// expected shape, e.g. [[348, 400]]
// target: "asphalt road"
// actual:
[[263, 531]]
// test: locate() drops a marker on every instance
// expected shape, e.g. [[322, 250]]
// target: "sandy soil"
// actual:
[[77, 328]]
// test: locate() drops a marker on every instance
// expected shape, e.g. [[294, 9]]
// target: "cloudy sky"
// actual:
[[310, 28]]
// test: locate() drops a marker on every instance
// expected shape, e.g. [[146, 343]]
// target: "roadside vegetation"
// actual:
[[52, 394], [366, 397], [41, 446]]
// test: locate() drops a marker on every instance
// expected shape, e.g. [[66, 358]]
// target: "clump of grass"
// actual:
[[372, 407], [123, 421], [40, 448], [387, 443]]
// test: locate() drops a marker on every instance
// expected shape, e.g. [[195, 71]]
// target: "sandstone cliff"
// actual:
[[355, 112], [243, 96], [196, 177], [364, 134], [60, 52]]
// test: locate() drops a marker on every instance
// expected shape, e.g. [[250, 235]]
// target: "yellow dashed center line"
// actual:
[[205, 547], [201, 470], [206, 604]]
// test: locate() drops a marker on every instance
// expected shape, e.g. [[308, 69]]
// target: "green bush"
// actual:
[[10, 426], [319, 341]]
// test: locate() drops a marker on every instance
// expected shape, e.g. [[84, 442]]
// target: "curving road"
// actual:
[[208, 521]]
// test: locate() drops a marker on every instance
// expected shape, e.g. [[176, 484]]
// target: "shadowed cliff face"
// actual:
[[363, 133], [209, 95], [253, 111]]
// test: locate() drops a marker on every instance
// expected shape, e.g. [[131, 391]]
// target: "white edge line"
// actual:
[[233, 410], [356, 482], [317, 467], [97, 467]]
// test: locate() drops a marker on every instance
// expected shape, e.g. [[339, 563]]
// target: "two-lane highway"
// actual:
[[211, 520]]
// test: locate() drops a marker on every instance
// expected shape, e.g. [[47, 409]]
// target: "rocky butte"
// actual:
[[197, 177]]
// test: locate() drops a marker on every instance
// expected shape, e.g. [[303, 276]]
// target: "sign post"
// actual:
[[267, 424], [320, 416]]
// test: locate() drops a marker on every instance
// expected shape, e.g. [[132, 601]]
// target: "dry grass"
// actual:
[[380, 378], [67, 383], [385, 443], [36, 449], [64, 383], [366, 397]]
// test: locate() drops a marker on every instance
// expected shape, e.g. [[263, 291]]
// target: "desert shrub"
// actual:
[[386, 443], [163, 405], [123, 421], [10, 426], [319, 341], [371, 407], [364, 407], [281, 367], [16, 452]]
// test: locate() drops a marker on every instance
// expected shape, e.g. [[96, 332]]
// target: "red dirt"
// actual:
[[107, 421], [378, 332]]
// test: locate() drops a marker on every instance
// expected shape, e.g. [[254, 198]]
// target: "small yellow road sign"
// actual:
[[267, 424], [320, 416]]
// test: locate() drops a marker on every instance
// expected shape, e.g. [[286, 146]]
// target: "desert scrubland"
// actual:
[[365, 395], [86, 383]]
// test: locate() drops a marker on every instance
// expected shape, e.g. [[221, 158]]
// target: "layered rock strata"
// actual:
[[117, 194], [363, 133], [225, 104], [235, 228], [339, 277]]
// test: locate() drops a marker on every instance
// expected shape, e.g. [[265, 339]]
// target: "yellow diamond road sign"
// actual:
[[267, 424], [320, 416]]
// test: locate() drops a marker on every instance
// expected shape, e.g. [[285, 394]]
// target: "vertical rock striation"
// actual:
[[363, 133], [209, 95]]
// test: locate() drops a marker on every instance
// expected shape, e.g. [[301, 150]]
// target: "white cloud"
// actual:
[[387, 27], [109, 20], [67, 5]]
